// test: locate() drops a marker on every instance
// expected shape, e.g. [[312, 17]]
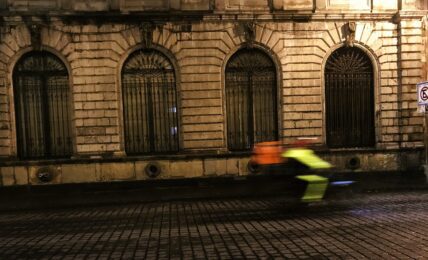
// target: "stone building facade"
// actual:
[[111, 90]]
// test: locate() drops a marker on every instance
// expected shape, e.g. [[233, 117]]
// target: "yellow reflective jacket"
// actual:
[[307, 157]]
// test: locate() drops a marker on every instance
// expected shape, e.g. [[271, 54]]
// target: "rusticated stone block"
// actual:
[[140, 5], [215, 166], [117, 171], [298, 4], [7, 174], [385, 5], [91, 5], [243, 166], [195, 5], [78, 173], [21, 175], [187, 169], [232, 166]]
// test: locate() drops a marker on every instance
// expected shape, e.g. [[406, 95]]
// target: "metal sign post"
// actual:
[[422, 89]]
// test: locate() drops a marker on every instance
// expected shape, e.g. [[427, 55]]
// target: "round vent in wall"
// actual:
[[152, 169], [253, 167], [353, 163], [45, 174]]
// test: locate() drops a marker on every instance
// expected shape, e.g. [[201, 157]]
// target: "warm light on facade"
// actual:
[[358, 4], [363, 4]]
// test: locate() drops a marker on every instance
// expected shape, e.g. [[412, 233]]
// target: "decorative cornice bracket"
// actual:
[[248, 31], [350, 28], [146, 31], [36, 35]]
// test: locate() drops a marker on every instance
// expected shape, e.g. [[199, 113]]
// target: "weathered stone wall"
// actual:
[[411, 57], [94, 49], [218, 5], [95, 54], [106, 5], [86, 172]]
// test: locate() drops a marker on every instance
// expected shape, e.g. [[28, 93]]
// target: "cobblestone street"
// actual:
[[371, 226]]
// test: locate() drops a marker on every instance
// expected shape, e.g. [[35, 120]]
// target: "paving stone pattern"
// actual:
[[368, 226]]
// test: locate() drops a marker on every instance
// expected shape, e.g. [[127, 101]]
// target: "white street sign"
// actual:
[[422, 93]]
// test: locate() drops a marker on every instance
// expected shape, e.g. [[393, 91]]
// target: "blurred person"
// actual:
[[298, 160]]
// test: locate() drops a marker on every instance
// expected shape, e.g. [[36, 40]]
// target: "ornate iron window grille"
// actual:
[[149, 104], [251, 99], [349, 92], [41, 93]]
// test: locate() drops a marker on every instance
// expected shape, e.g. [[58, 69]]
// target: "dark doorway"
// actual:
[[349, 94], [42, 104], [251, 99], [149, 103]]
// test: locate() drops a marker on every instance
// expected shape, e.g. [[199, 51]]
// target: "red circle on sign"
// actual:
[[424, 93]]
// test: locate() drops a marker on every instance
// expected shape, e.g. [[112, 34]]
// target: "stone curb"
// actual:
[[71, 195]]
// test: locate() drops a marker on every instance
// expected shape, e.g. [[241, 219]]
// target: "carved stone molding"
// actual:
[[182, 27], [248, 31], [36, 35], [350, 28], [4, 29], [146, 31]]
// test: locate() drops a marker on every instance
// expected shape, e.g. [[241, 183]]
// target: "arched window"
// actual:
[[251, 99], [349, 97], [41, 92], [149, 103]]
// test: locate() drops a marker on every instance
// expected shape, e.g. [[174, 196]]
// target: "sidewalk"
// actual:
[[69, 195]]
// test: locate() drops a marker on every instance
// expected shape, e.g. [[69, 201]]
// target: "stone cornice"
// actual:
[[12, 18]]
